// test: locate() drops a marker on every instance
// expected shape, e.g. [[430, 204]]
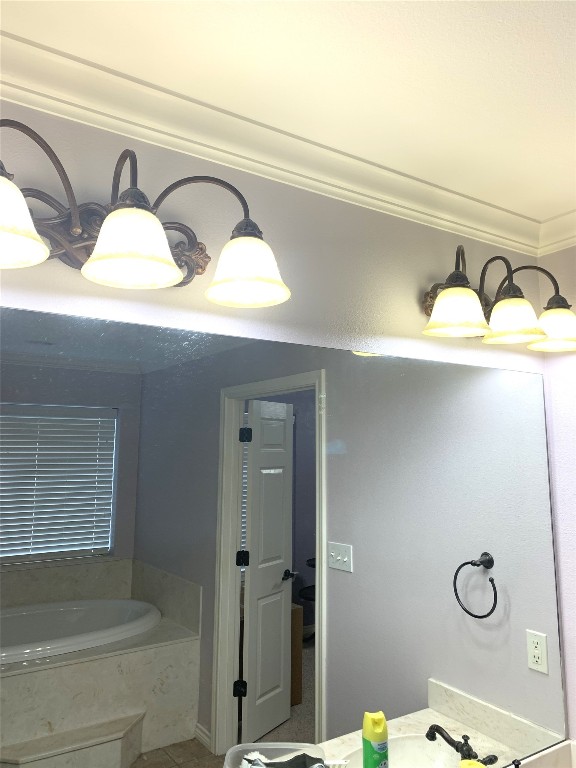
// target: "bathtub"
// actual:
[[49, 629]]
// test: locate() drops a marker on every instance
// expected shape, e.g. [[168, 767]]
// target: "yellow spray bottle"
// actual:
[[374, 740]]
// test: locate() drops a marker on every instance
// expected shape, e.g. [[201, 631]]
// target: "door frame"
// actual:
[[227, 605]]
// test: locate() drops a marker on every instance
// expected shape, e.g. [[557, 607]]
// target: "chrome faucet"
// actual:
[[462, 747]]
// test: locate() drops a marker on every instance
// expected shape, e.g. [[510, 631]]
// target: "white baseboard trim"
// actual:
[[203, 735]]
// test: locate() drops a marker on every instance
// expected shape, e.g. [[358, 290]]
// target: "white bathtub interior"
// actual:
[[49, 629]]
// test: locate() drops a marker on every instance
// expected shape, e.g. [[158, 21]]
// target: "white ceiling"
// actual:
[[457, 114]]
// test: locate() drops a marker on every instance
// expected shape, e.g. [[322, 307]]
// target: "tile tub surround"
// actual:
[[164, 633], [115, 744], [61, 695], [90, 578], [177, 599], [518, 733]]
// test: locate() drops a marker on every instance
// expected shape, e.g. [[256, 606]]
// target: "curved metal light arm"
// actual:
[[553, 303], [202, 180], [456, 279], [45, 198], [76, 227], [127, 154], [460, 264], [508, 279]]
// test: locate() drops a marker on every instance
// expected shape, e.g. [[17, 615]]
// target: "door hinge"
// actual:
[[242, 557], [239, 689], [245, 434]]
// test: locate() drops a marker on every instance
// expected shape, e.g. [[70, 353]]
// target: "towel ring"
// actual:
[[487, 561]]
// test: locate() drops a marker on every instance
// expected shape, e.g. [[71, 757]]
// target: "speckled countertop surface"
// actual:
[[418, 723]]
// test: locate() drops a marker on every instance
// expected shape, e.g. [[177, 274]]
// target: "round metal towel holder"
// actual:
[[487, 561]]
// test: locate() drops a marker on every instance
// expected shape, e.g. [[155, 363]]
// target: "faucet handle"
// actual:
[[465, 750], [489, 760]]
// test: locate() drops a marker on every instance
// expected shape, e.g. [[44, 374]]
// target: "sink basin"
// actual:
[[413, 752]]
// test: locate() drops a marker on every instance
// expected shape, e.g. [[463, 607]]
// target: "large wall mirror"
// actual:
[[427, 466]]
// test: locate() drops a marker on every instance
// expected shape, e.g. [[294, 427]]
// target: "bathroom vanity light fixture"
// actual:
[[457, 310], [124, 244]]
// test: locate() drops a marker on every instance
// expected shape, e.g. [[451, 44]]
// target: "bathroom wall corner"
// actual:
[[177, 599]]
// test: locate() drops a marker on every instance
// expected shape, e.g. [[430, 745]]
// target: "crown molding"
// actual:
[[51, 81], [557, 234]]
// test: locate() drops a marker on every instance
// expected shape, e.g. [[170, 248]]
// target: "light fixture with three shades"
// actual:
[[458, 311], [124, 244]]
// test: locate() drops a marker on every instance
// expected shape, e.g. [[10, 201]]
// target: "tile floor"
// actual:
[[192, 754], [186, 754]]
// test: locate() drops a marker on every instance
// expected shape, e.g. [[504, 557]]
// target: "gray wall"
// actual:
[[440, 463], [69, 386]]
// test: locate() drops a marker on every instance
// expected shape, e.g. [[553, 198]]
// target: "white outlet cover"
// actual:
[[537, 647]]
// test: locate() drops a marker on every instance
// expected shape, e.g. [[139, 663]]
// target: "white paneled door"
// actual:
[[268, 588]]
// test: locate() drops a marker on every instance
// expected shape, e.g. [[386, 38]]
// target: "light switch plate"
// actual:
[[340, 556]]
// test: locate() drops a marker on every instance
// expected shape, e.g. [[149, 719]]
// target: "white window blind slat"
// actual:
[[56, 480]]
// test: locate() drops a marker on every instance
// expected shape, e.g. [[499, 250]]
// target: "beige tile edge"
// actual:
[[71, 740], [501, 725]]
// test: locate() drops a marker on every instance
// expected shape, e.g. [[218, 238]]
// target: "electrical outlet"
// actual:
[[537, 651], [340, 556]]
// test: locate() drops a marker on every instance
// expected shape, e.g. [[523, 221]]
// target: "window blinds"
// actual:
[[56, 480]]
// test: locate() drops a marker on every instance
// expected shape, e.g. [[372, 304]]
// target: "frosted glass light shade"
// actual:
[[457, 312], [559, 325], [20, 244], [132, 251], [513, 321], [247, 276]]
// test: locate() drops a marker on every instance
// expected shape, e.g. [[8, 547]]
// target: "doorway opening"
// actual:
[[268, 619]]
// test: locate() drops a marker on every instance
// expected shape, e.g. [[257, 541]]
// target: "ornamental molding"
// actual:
[[48, 80]]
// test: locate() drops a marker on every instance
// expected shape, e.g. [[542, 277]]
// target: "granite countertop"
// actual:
[[418, 723]]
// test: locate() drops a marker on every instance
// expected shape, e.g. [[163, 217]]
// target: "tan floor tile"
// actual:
[[189, 751], [210, 762], [157, 758]]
